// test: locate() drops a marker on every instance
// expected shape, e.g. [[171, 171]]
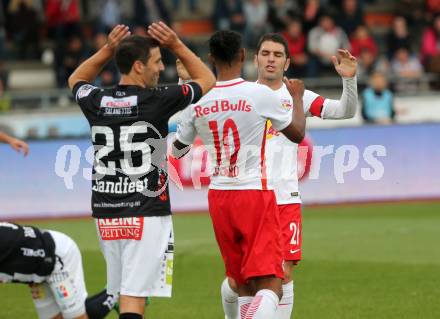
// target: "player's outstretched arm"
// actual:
[[295, 131], [90, 68], [16, 144], [344, 108], [197, 70]]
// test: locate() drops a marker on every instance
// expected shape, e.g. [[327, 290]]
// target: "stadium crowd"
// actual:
[[405, 46]]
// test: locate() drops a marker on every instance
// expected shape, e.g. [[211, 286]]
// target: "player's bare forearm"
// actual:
[[15, 143], [90, 68], [180, 149], [4, 138], [298, 117], [197, 70], [297, 128]]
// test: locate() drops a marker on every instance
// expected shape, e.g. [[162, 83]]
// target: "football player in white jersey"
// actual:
[[232, 122], [272, 60]]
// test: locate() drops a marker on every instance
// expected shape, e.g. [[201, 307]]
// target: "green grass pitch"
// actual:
[[366, 261]]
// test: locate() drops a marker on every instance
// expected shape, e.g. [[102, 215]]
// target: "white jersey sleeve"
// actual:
[[344, 108], [271, 108], [313, 103], [186, 130]]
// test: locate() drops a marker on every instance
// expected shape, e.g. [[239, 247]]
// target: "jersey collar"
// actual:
[[222, 84], [283, 86]]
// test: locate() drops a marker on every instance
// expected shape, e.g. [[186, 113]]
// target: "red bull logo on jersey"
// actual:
[[222, 106], [121, 228], [287, 104]]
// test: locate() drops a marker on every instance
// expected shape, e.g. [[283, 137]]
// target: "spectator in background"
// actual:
[[228, 15], [430, 46], [110, 15], [368, 63], [109, 75], [279, 12], [68, 58], [63, 19], [399, 36], [323, 42], [256, 17], [377, 101], [296, 41], [192, 5], [312, 11], [350, 16], [24, 28], [361, 40], [5, 103], [407, 69], [432, 7], [149, 11], [2, 31]]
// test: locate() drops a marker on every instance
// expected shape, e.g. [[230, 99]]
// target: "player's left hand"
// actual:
[[295, 87], [164, 34], [345, 64], [19, 146], [117, 35]]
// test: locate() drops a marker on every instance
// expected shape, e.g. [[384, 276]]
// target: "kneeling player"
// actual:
[[50, 262]]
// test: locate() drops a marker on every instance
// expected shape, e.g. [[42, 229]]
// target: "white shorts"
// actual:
[[64, 290], [139, 255]]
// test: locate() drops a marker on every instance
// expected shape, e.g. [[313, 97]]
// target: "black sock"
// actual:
[[130, 315], [98, 306]]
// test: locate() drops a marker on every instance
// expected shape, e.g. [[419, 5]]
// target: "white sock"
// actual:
[[243, 305], [229, 300], [264, 305], [285, 307]]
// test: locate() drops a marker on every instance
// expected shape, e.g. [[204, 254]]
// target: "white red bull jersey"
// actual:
[[232, 123], [282, 154]]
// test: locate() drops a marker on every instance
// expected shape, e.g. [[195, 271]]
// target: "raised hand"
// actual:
[[117, 35], [345, 64], [295, 87], [163, 34], [19, 146]]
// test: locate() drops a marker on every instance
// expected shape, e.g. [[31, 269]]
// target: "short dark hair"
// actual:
[[225, 46], [274, 37], [133, 48]]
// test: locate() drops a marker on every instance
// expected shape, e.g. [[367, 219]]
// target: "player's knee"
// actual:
[[130, 315]]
